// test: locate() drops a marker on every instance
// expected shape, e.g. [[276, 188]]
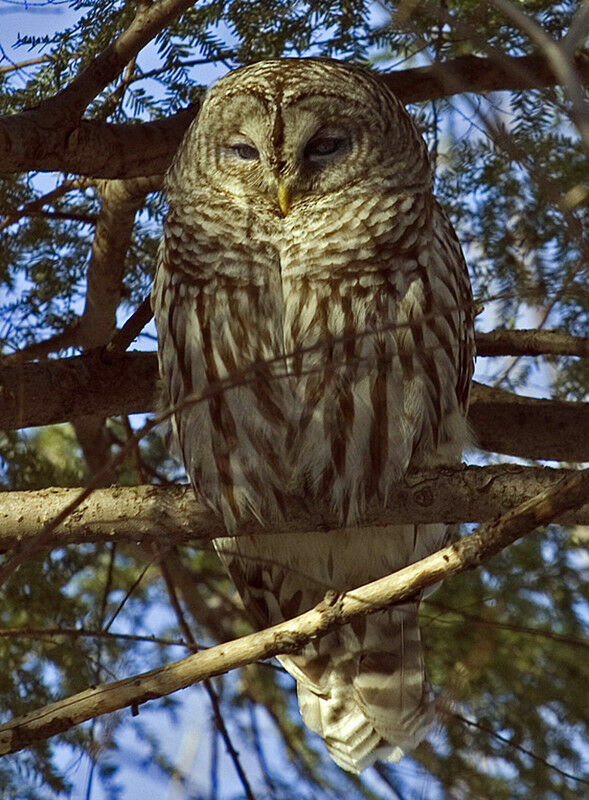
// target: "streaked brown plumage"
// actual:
[[306, 261]]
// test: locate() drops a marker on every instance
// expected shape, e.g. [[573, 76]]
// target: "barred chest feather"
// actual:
[[332, 362]]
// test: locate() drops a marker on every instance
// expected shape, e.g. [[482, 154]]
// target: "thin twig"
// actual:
[[78, 633], [505, 626], [214, 698], [515, 746], [130, 330]]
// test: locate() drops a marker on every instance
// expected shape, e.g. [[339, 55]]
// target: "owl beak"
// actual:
[[284, 200]]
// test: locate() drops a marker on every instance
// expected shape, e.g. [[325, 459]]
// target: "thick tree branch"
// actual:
[[52, 137], [533, 342], [120, 202], [29, 141], [172, 515], [291, 636], [54, 391], [477, 75], [527, 427], [62, 390], [54, 127]]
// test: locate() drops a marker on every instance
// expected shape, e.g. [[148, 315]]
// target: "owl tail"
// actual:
[[364, 690]]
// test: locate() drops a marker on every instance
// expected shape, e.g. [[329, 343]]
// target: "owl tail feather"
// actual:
[[364, 690]]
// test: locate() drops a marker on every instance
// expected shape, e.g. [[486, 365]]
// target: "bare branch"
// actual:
[[130, 330], [500, 342], [62, 390], [90, 633], [477, 619], [172, 515], [53, 127], [120, 202], [209, 688], [54, 391], [291, 636], [577, 33], [12, 215], [509, 743], [31, 141], [528, 427], [533, 342], [477, 75], [21, 64]]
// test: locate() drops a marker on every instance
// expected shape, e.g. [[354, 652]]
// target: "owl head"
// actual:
[[284, 133]]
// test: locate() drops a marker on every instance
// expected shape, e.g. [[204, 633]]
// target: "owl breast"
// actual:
[[355, 326], [324, 375]]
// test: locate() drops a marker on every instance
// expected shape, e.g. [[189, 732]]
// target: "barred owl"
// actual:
[[311, 290]]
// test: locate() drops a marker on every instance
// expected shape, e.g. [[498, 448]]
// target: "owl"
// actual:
[[312, 294]]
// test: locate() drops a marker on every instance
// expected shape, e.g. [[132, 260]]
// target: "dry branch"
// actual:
[[29, 141], [290, 636], [171, 515], [527, 427], [51, 128], [63, 390], [532, 342], [52, 136]]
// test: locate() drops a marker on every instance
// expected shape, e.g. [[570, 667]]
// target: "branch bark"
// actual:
[[291, 636], [527, 427], [49, 392], [532, 342], [172, 514], [51, 137], [53, 128]]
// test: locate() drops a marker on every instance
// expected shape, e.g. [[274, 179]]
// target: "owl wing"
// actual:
[[218, 342], [446, 244]]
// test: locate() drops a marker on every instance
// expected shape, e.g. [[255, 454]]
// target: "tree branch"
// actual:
[[120, 202], [29, 141], [172, 514], [558, 57], [148, 21], [49, 392], [477, 75], [528, 427], [291, 636], [51, 137], [209, 688], [533, 342]]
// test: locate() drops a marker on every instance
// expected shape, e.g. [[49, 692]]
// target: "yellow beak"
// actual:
[[283, 198]]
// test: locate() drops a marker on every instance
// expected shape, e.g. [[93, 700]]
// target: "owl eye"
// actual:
[[323, 146], [245, 151]]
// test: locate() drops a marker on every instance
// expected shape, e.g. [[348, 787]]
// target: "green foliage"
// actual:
[[517, 668], [506, 641]]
